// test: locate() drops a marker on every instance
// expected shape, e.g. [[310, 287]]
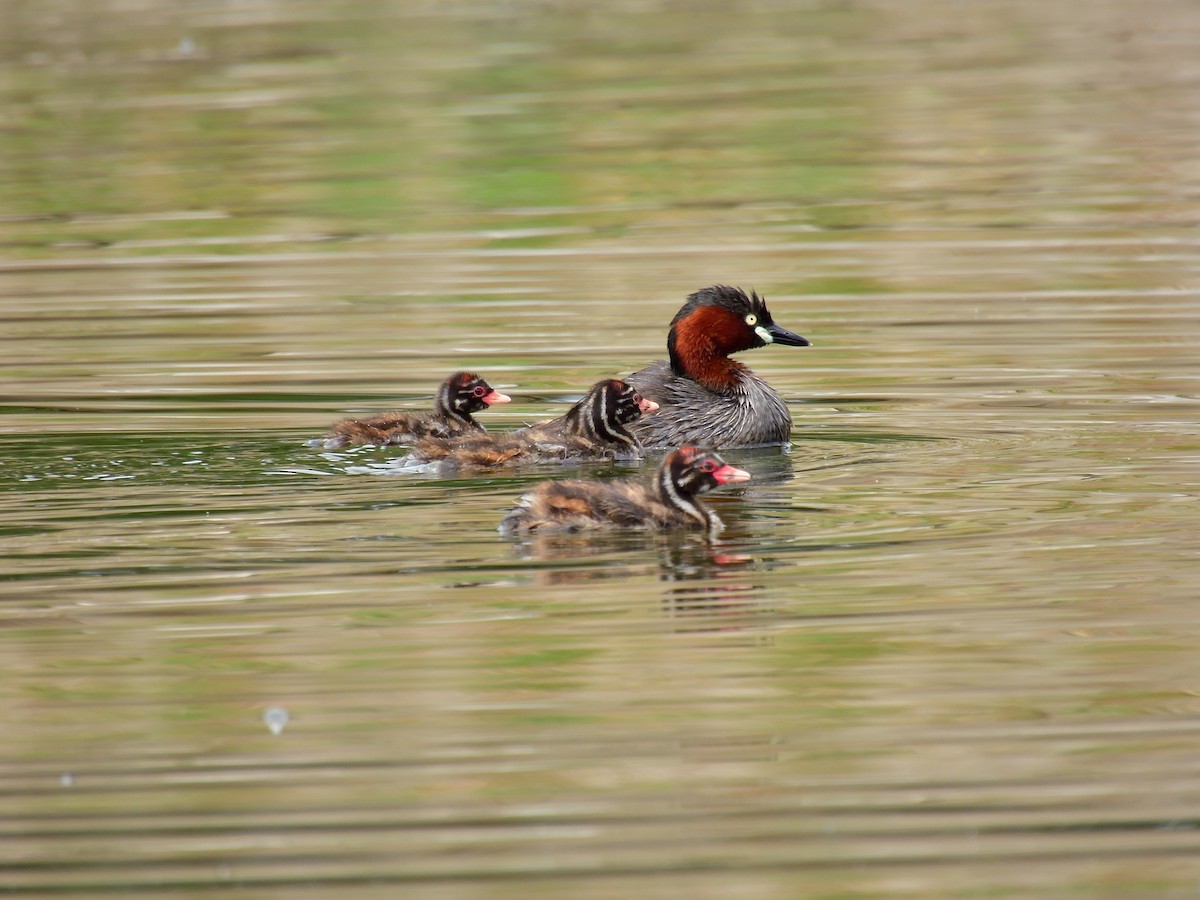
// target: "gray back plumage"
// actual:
[[750, 415]]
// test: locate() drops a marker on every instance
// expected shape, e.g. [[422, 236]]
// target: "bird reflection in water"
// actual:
[[709, 586]]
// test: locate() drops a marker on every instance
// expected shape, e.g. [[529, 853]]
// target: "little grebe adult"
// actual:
[[666, 502], [597, 427], [457, 397], [705, 397]]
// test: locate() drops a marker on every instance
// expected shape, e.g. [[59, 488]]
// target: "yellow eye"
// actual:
[[751, 319]]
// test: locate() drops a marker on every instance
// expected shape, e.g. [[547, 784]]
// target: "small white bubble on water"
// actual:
[[276, 717]]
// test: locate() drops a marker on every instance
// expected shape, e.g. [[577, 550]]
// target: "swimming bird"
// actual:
[[460, 395], [704, 396], [596, 427], [668, 501]]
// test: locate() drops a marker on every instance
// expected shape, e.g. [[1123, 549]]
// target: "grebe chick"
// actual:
[[704, 396], [597, 427], [460, 395], [668, 501]]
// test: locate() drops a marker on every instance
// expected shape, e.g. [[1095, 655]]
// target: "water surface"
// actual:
[[946, 646]]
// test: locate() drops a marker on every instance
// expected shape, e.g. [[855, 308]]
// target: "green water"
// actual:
[[947, 645]]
